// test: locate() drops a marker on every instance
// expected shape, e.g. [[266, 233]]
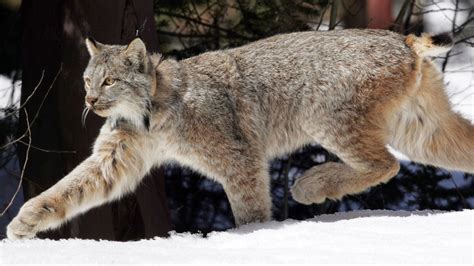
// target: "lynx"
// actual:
[[227, 113]]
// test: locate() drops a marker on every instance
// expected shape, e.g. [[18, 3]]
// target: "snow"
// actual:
[[5, 92], [353, 237]]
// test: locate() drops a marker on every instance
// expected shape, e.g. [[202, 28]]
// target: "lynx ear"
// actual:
[[93, 46], [136, 52]]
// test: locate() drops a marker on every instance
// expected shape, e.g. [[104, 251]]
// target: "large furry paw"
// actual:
[[318, 184], [31, 219], [307, 191], [255, 217]]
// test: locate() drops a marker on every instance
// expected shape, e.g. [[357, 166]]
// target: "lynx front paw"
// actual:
[[33, 217], [255, 216]]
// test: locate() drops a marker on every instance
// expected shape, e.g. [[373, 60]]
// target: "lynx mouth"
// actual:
[[99, 106], [100, 109]]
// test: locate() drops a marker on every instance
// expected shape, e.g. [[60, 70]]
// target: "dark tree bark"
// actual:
[[379, 14], [375, 14], [355, 14], [53, 42]]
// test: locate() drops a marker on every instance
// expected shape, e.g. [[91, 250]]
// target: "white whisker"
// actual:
[[84, 116]]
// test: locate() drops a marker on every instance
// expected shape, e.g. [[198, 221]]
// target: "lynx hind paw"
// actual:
[[318, 184], [305, 191]]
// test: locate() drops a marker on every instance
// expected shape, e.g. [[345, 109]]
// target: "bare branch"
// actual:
[[398, 23], [333, 17], [453, 29], [24, 166], [44, 150], [38, 111], [28, 98]]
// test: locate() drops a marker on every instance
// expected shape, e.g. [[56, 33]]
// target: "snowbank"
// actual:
[[355, 237]]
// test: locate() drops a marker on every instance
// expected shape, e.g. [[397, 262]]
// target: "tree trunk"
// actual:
[[379, 14], [53, 42], [374, 14]]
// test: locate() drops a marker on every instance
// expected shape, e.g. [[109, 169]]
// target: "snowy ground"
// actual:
[[356, 237]]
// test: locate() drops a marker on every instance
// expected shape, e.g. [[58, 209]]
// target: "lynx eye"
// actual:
[[109, 81]]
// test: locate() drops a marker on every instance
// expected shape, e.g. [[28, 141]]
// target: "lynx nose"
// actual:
[[91, 100]]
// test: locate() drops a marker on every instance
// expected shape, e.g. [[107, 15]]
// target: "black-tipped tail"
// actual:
[[427, 45], [443, 39]]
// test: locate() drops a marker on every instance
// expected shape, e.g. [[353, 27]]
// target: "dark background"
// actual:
[[43, 40]]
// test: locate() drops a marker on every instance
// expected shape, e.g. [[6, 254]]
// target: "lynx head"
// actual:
[[119, 82]]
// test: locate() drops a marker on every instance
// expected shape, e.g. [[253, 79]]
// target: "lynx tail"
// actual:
[[427, 45]]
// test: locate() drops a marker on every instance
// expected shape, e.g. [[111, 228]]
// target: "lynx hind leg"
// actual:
[[428, 131], [366, 163]]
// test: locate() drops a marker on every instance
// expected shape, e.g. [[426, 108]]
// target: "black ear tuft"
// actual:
[[92, 40], [93, 46]]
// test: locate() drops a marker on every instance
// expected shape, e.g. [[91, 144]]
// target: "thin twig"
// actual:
[[29, 96], [438, 10], [333, 17], [461, 196], [322, 17], [24, 166], [37, 112], [229, 32], [448, 54], [286, 191], [45, 150], [397, 25], [406, 25]]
